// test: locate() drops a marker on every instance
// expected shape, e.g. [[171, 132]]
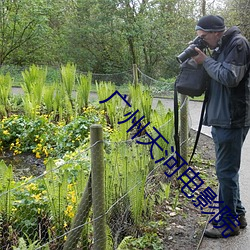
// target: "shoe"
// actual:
[[242, 220], [219, 232]]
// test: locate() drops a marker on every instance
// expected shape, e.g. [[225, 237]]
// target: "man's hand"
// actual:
[[200, 58]]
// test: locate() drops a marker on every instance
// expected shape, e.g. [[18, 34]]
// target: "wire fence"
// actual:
[[42, 209], [57, 209]]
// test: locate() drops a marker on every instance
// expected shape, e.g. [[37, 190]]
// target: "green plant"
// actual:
[[176, 199], [30, 207], [6, 184], [48, 98], [43, 137], [164, 192], [29, 245], [147, 241], [5, 90], [113, 107], [139, 92], [68, 74], [163, 121], [83, 91], [34, 81]]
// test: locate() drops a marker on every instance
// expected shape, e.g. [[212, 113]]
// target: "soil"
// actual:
[[25, 164]]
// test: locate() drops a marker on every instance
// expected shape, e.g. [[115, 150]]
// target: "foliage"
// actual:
[[139, 92], [5, 89], [83, 91], [34, 81], [68, 74], [6, 184], [147, 241], [22, 245], [51, 200], [22, 22], [106, 36], [114, 106], [42, 136]]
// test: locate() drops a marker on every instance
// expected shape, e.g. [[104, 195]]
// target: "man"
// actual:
[[228, 112]]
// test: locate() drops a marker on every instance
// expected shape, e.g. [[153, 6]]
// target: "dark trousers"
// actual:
[[228, 145]]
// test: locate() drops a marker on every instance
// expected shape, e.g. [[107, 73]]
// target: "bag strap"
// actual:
[[176, 124], [199, 127]]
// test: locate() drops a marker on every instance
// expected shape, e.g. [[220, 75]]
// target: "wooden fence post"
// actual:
[[135, 74], [98, 195]]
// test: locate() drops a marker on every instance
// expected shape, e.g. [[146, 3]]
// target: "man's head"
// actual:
[[211, 29]]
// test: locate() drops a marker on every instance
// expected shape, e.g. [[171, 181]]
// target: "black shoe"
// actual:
[[242, 220], [219, 232]]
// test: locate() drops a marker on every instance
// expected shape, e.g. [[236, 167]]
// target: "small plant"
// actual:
[[147, 241], [176, 199], [22, 245]]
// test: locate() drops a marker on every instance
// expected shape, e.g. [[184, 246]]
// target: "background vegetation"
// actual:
[[104, 36]]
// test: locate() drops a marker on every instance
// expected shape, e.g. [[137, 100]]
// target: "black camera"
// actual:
[[190, 51]]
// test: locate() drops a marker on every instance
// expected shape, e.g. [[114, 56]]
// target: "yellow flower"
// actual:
[[69, 211], [31, 186], [38, 155], [37, 196], [73, 199], [6, 132], [14, 209]]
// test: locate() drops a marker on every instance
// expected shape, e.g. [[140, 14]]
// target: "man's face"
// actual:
[[211, 38]]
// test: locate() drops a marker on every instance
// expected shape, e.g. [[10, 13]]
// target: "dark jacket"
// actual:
[[228, 103]]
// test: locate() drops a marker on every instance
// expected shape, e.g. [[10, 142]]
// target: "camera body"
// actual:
[[190, 51]]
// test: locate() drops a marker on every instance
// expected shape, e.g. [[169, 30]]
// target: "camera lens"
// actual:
[[190, 51], [187, 53]]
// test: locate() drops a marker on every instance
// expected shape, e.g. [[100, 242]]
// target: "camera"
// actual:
[[190, 51]]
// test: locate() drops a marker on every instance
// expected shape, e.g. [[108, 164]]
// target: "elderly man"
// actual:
[[228, 112]]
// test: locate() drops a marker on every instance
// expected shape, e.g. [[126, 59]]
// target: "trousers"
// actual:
[[228, 147]]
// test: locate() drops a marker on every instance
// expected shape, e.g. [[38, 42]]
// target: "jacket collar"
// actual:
[[231, 32]]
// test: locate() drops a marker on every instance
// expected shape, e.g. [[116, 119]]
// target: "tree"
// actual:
[[237, 13], [20, 22]]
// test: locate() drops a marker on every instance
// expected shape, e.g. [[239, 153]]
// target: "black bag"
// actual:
[[192, 80]]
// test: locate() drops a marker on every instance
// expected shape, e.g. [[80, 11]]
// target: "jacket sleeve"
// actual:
[[234, 66]]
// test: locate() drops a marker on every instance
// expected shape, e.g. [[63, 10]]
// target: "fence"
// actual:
[[97, 207]]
